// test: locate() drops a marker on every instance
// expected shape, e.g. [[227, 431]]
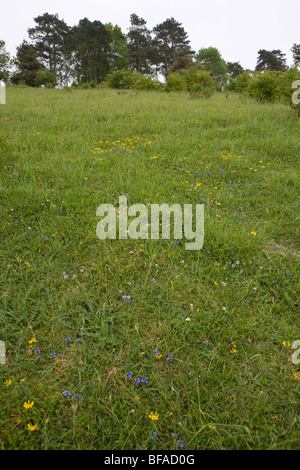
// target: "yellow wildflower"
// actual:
[[28, 404], [30, 427], [154, 416], [32, 340]]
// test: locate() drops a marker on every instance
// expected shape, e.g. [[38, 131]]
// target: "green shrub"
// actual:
[[124, 79], [175, 82], [86, 86], [45, 77], [286, 89], [121, 79], [144, 83], [264, 86], [199, 83], [239, 84]]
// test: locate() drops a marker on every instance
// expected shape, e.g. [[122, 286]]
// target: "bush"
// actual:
[[264, 86], [199, 83], [239, 84], [175, 82], [286, 89], [124, 79], [144, 83], [121, 79], [45, 77]]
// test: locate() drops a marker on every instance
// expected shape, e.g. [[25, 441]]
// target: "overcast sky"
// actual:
[[238, 28]]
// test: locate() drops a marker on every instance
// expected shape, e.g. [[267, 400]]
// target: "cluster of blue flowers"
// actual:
[[139, 380], [67, 394], [38, 352]]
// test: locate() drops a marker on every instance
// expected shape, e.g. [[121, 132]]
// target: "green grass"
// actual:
[[62, 155]]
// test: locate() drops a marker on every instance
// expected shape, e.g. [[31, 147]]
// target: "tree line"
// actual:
[[89, 52]]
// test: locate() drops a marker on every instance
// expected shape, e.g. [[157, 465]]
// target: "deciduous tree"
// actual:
[[119, 58], [213, 62]]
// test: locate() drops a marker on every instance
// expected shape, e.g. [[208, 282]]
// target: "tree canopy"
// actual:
[[270, 60], [296, 54], [90, 50], [27, 64], [213, 62], [171, 42], [4, 61]]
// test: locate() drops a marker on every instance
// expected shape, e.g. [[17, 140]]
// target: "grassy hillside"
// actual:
[[227, 314]]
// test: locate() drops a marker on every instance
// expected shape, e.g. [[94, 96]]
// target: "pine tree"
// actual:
[[270, 60], [27, 64], [172, 42], [139, 44], [93, 51], [296, 54], [234, 69], [52, 40]]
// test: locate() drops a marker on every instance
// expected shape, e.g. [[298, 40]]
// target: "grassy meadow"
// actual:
[[210, 330]]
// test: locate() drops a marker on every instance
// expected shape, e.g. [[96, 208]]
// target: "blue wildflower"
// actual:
[[141, 380]]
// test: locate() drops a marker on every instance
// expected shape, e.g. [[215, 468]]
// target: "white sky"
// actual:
[[238, 28]]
